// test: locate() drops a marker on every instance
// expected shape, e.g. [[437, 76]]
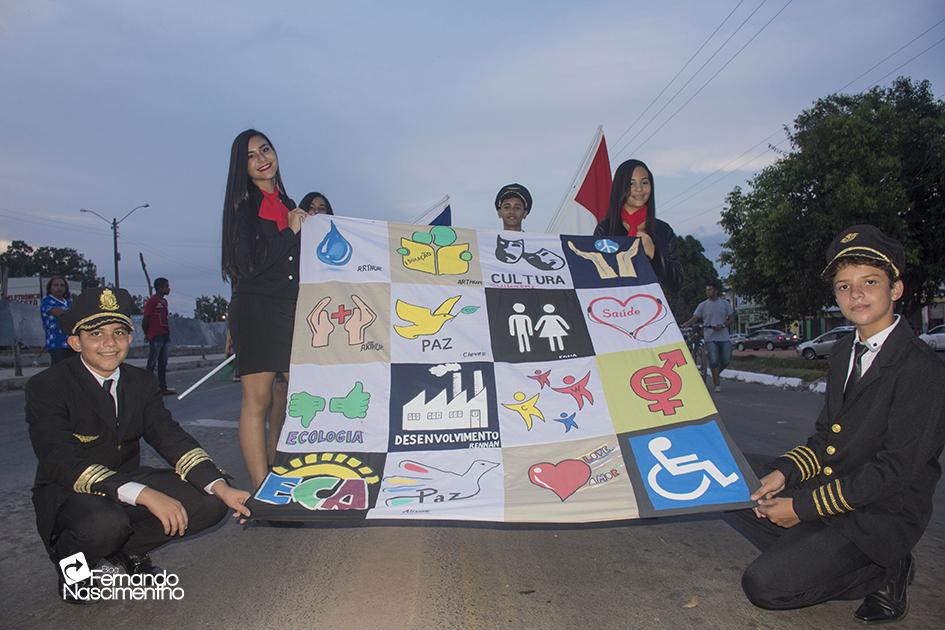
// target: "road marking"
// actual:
[[214, 423]]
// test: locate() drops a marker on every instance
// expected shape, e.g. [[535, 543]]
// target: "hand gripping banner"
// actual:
[[447, 373]]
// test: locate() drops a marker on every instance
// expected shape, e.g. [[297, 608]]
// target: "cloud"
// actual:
[[444, 368]]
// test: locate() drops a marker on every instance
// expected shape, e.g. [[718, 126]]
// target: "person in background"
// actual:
[[716, 315], [632, 212], [260, 260], [56, 302], [512, 204], [157, 332], [316, 203]]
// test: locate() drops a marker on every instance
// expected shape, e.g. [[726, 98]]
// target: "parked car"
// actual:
[[736, 337], [821, 346], [935, 338], [769, 339]]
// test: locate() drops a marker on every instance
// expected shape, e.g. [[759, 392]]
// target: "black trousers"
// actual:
[[804, 565], [100, 527]]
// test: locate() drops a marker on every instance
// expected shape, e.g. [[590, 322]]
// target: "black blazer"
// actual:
[[871, 467], [267, 259], [665, 260], [83, 448]]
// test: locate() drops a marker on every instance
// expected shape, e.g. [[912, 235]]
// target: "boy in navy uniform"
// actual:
[[513, 203], [839, 516], [86, 416]]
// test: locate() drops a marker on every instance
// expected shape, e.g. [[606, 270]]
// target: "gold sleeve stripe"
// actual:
[[809, 469], [823, 499], [91, 476], [811, 457], [190, 459], [817, 503], [833, 499], [802, 466], [840, 494]]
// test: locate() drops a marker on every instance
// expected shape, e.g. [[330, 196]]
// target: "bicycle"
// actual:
[[695, 341]]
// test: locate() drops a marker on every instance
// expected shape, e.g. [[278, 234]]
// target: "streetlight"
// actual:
[[114, 223]]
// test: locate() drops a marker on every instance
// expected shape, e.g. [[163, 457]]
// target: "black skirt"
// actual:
[[261, 330]]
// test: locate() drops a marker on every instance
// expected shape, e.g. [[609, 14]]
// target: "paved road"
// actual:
[[666, 573]]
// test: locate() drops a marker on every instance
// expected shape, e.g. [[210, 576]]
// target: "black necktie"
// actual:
[[107, 386], [859, 349]]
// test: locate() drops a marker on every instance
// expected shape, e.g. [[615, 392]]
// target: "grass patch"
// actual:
[[796, 367]]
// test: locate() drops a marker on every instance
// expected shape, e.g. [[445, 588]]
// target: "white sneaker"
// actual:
[[718, 388]]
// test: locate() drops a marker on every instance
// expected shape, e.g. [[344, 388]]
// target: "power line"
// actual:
[[669, 202], [617, 152], [886, 58], [892, 54], [911, 59], [717, 72], [685, 65]]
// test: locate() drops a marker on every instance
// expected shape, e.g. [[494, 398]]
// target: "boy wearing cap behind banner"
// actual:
[[86, 416], [838, 517], [512, 204]]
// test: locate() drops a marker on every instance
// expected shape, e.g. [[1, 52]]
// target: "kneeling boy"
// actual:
[[86, 416], [839, 516]]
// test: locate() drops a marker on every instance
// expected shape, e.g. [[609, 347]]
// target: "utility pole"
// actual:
[[114, 225], [115, 245], [144, 268]]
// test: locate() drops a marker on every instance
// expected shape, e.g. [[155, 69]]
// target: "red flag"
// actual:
[[585, 203]]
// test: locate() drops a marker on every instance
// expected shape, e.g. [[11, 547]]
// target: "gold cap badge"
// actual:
[[107, 301], [849, 237]]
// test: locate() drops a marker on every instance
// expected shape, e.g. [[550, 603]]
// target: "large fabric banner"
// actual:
[[449, 373]]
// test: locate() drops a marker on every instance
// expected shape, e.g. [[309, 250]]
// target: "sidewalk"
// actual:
[[8, 381]]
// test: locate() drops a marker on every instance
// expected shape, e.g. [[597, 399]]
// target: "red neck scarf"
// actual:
[[632, 220], [272, 209]]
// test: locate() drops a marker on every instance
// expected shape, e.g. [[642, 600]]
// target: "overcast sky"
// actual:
[[388, 106]]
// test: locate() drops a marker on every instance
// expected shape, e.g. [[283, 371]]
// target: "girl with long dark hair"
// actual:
[[316, 203], [632, 212], [260, 259]]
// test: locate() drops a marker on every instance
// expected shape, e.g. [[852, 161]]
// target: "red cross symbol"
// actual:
[[341, 314]]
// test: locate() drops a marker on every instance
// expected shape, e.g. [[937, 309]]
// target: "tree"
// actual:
[[698, 271], [211, 309], [876, 157], [22, 260]]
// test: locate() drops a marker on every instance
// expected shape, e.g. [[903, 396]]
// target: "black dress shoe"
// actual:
[[135, 563], [890, 603]]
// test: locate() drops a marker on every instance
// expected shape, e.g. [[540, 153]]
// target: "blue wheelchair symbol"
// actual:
[[688, 466]]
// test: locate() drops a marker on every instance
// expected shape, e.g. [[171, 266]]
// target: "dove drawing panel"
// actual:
[[465, 485], [443, 373], [433, 323]]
